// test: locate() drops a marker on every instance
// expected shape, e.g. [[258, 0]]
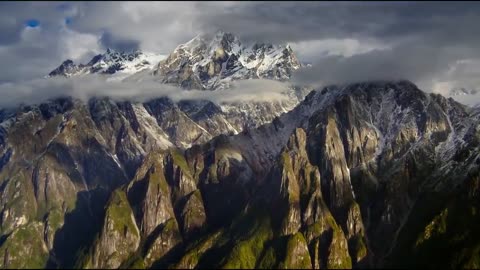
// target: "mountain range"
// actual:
[[206, 62], [121, 64], [363, 175]]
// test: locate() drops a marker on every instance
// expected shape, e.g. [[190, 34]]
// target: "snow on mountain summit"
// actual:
[[208, 61], [122, 64], [213, 61]]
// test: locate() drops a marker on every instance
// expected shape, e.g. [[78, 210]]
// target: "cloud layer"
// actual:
[[86, 87]]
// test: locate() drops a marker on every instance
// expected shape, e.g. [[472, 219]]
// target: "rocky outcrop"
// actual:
[[193, 217], [192, 255], [150, 195], [162, 241], [119, 237], [24, 248], [297, 255], [176, 123], [326, 240]]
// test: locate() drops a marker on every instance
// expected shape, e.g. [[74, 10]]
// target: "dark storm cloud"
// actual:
[[415, 62], [297, 21], [109, 41]]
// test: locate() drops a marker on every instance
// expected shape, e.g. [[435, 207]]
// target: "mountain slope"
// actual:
[[339, 181]]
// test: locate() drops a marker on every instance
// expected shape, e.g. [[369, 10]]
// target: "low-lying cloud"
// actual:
[[403, 61], [41, 90], [471, 100]]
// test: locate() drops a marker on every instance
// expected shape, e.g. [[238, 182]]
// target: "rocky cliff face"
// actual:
[[361, 175]]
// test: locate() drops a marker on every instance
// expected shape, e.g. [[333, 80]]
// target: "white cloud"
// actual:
[[463, 73], [442, 88], [330, 47], [159, 26], [86, 87], [78, 46], [39, 51]]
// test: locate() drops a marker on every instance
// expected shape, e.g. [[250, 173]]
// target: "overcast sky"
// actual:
[[433, 44]]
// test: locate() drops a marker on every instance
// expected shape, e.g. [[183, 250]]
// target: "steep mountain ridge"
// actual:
[[336, 182], [214, 61]]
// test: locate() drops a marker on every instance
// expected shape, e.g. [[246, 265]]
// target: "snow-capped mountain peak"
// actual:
[[208, 61], [213, 61], [67, 69], [122, 64]]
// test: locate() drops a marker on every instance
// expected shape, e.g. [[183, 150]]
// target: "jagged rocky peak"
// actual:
[[67, 68], [110, 62], [208, 42], [213, 61]]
